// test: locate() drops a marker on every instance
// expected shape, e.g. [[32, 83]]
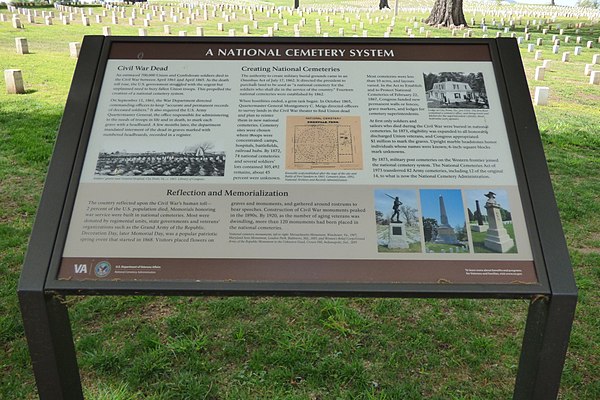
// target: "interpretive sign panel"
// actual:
[[337, 167], [287, 161]]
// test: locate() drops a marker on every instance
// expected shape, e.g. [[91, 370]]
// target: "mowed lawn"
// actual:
[[142, 347]]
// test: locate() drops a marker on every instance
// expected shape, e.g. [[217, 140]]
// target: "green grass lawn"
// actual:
[[299, 348], [414, 247], [443, 248]]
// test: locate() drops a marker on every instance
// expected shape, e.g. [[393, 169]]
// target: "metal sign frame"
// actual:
[[553, 300]]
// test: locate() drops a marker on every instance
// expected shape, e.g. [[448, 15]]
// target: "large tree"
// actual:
[[447, 13], [383, 4]]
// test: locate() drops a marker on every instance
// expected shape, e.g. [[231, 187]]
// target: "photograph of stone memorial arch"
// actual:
[[444, 224], [397, 219], [194, 160], [455, 90], [490, 221]]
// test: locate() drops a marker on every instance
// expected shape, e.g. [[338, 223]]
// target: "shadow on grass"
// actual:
[[28, 130]]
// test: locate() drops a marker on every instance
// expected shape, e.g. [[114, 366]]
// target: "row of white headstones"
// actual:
[[228, 12], [231, 12]]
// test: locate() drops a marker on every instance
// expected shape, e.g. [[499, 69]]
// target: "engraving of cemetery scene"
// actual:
[[397, 220], [455, 90], [200, 159], [490, 221], [444, 224]]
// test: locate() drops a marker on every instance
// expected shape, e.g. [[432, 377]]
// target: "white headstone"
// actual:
[[106, 30], [595, 78], [74, 48], [530, 47], [546, 64], [596, 59], [539, 73], [167, 29], [14, 81], [590, 44], [182, 33], [577, 50], [541, 95], [588, 69], [538, 55], [22, 46], [565, 56], [16, 23], [142, 32]]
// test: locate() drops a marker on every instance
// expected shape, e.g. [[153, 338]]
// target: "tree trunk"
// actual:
[[447, 13], [296, 4], [383, 4]]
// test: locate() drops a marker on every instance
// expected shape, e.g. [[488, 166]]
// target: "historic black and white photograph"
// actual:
[[455, 90], [195, 160]]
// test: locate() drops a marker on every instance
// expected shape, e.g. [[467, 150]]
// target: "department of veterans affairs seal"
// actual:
[[102, 269]]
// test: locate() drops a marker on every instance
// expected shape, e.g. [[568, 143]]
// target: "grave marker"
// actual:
[[595, 78], [14, 81], [16, 23], [74, 48], [21, 45], [539, 73], [541, 95]]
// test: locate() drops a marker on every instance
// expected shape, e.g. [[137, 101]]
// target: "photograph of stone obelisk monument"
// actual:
[[444, 225], [490, 221], [397, 220]]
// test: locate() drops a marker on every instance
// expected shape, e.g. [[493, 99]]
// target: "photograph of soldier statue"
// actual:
[[398, 221]]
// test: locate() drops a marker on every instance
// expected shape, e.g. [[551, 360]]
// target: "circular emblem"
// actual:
[[102, 269]]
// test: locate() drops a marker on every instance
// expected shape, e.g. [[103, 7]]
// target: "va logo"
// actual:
[[80, 268], [102, 269]]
